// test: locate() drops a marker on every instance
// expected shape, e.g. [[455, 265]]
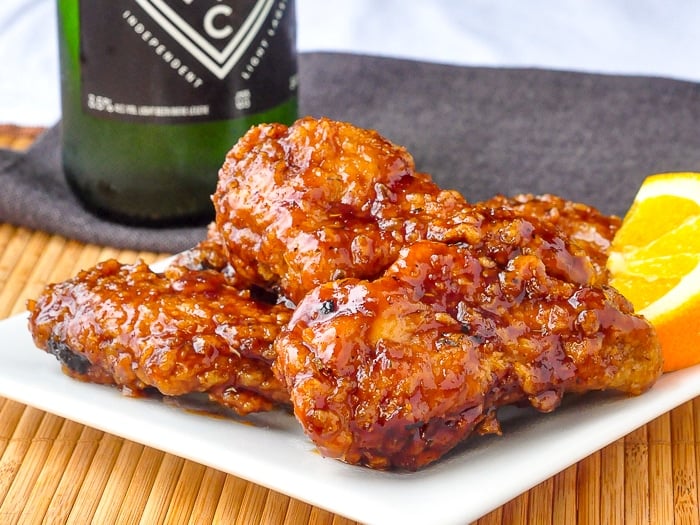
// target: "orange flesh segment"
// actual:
[[654, 262]]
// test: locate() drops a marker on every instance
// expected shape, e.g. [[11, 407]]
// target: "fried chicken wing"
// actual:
[[182, 332], [396, 371], [586, 226], [298, 206]]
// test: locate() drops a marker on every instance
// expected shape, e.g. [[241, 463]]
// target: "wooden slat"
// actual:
[[685, 481], [24, 474], [588, 490], [564, 510], [540, 507], [14, 453], [10, 415], [93, 489], [297, 512], [16, 137], [7, 231], [660, 470], [612, 483], [185, 491], [10, 296], [74, 475], [43, 263], [274, 508], [515, 511], [57, 471], [637, 476], [208, 496], [121, 474], [159, 500], [492, 518], [252, 505], [8, 262], [320, 517], [230, 500], [46, 482]]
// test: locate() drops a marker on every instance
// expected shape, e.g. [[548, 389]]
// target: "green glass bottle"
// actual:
[[155, 92]]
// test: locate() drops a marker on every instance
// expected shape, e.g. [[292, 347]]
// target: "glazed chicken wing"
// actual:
[[396, 371], [298, 206], [586, 226], [182, 332]]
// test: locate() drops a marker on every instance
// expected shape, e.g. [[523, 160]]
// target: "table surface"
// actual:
[[53, 470]]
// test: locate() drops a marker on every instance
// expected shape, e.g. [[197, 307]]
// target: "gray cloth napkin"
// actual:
[[482, 131]]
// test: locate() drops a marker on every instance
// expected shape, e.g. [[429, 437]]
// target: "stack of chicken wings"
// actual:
[[391, 315]]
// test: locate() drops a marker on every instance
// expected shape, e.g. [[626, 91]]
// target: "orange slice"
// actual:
[[655, 262]]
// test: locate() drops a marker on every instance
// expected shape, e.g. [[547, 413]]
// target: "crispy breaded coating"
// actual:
[[583, 224], [182, 332], [319, 200], [396, 371]]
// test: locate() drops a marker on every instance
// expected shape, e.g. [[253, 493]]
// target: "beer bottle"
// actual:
[[155, 92]]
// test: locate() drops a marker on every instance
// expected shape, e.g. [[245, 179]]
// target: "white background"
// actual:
[[648, 37]]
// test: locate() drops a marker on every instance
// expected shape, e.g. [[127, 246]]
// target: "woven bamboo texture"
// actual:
[[56, 471]]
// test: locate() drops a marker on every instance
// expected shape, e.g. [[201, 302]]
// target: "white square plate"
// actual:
[[271, 450]]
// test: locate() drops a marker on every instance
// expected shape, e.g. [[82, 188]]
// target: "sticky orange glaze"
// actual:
[[320, 200], [394, 372], [186, 331]]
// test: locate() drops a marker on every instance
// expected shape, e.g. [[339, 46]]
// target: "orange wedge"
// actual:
[[655, 262]]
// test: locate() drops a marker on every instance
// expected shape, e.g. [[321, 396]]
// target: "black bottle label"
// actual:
[[186, 60]]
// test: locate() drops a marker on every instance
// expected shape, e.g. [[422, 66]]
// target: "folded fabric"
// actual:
[[482, 131]]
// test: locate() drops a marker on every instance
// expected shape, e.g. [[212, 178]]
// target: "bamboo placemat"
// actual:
[[56, 471]]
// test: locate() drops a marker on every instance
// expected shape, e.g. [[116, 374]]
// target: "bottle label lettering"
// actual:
[[186, 60]]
